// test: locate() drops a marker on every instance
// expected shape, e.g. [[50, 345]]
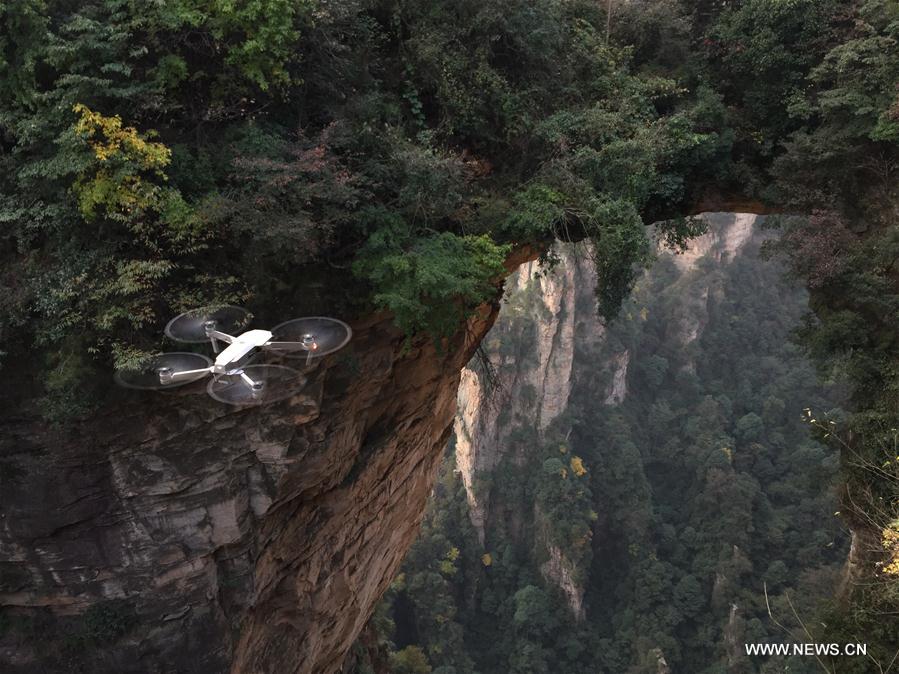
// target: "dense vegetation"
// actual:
[[676, 510], [839, 164], [157, 156]]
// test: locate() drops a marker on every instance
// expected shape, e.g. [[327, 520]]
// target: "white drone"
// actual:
[[235, 380]]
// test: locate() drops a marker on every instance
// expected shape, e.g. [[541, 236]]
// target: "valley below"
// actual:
[[631, 496]]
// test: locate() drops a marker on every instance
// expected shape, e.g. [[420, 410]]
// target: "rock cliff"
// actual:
[[532, 349], [557, 570], [202, 538], [549, 317]]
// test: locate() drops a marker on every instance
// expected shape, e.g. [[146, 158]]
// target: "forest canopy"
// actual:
[[159, 156], [387, 154]]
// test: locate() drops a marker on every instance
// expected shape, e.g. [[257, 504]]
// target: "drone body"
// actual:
[[239, 348], [235, 379]]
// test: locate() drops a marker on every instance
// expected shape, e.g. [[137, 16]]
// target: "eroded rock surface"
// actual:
[[544, 313], [254, 540], [727, 235], [558, 570], [260, 540]]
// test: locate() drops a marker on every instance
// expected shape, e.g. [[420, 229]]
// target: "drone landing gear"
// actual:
[[256, 385]]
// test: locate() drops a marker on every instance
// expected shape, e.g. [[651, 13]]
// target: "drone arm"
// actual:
[[188, 374], [217, 335], [286, 346], [221, 336]]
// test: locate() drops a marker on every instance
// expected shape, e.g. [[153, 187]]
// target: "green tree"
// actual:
[[410, 660]]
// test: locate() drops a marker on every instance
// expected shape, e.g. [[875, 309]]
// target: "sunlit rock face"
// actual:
[[551, 374], [557, 570], [470, 427], [254, 540], [532, 350], [727, 235], [618, 387], [547, 316], [544, 313]]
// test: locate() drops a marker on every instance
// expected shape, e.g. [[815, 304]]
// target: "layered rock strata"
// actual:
[[251, 540]]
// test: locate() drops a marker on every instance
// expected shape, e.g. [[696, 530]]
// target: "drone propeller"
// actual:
[[309, 338], [195, 326], [256, 385], [167, 370]]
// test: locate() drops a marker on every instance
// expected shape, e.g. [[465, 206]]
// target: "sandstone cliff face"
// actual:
[[253, 540], [260, 540], [551, 374], [727, 235], [557, 570], [471, 428], [532, 348], [618, 387], [549, 318]]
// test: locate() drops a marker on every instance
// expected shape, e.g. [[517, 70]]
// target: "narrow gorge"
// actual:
[[600, 470]]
